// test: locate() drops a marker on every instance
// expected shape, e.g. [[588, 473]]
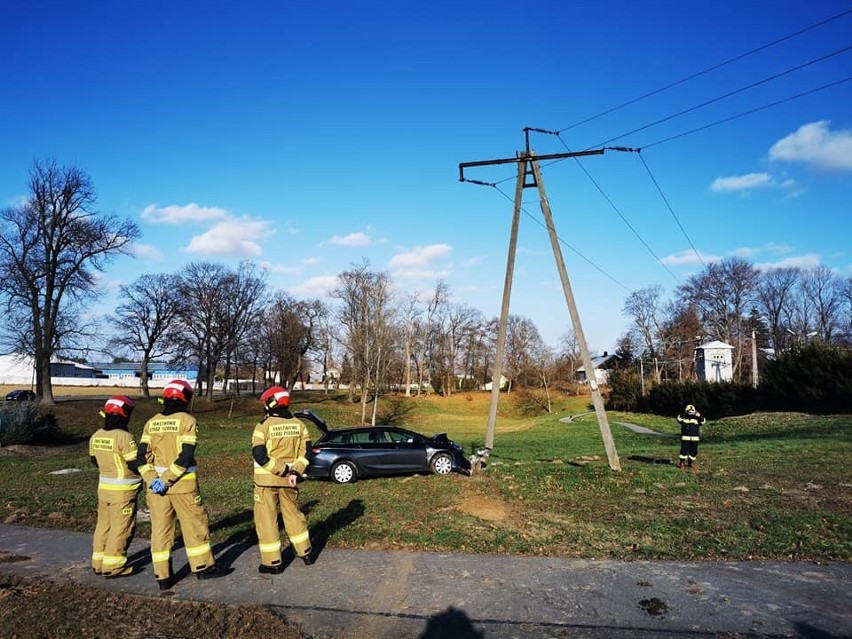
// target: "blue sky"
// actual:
[[311, 136]]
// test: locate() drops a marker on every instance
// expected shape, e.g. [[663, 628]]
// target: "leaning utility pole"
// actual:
[[528, 165]]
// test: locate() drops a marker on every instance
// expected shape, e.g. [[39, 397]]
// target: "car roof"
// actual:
[[366, 429]]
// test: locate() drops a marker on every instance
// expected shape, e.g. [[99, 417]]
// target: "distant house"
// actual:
[[714, 362], [19, 370], [159, 373], [504, 383], [602, 364]]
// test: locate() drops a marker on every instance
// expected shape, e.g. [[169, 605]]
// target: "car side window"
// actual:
[[399, 438]]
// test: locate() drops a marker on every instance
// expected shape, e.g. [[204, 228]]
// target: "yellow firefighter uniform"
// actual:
[[278, 447], [114, 453], [167, 447]]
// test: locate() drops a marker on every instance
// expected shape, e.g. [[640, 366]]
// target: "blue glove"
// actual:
[[158, 486]]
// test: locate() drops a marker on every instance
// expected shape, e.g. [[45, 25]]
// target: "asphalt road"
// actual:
[[368, 594]]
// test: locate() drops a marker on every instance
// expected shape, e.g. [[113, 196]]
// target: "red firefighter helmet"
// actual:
[[178, 389], [119, 405], [275, 396]]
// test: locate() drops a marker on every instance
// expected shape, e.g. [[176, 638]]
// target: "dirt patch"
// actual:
[[32, 608], [486, 508], [25, 450]]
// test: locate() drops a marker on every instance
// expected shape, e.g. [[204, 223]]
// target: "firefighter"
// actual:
[[113, 450], [690, 423], [167, 463], [278, 446]]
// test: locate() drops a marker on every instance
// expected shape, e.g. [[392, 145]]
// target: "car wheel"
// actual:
[[344, 472], [442, 464]]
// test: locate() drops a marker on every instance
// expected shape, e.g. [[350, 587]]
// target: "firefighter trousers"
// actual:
[[268, 501], [688, 447], [113, 534], [194, 528]]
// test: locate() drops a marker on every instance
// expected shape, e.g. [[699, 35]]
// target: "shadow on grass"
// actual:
[[237, 542], [322, 531]]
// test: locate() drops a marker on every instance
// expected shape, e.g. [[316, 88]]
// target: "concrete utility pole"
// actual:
[[528, 165]]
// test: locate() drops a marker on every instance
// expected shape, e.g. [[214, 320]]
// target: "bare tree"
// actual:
[[197, 328], [846, 311], [243, 294], [410, 311], [50, 250], [523, 341], [776, 289], [644, 307], [143, 320], [292, 327], [366, 317], [722, 295], [823, 290]]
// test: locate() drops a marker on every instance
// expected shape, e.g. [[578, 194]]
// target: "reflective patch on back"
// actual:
[[164, 426], [277, 431], [102, 443]]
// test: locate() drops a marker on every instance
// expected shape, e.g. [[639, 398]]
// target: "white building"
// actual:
[[714, 362]]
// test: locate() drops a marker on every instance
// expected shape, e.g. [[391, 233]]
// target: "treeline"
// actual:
[[814, 378]]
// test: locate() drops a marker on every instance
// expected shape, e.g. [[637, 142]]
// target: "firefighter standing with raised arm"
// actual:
[[690, 423], [167, 462], [278, 446], [113, 450]]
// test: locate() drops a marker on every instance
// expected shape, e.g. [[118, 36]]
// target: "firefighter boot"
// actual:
[[124, 571], [213, 572], [168, 582], [276, 569], [309, 559], [680, 464]]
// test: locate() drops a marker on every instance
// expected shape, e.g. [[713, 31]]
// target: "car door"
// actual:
[[409, 450], [373, 452]]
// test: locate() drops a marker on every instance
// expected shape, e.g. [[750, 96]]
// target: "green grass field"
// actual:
[[768, 486]]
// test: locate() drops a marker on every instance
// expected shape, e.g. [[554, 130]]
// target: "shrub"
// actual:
[[813, 379], [23, 423], [714, 399]]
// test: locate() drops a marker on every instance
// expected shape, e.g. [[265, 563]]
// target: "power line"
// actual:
[[727, 95], [671, 210], [749, 112], [708, 70], [563, 242]]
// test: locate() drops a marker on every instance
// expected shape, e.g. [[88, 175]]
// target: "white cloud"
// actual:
[[817, 145], [687, 258], [316, 286], [769, 247], [809, 260], [310, 261], [742, 182], [420, 256], [147, 252], [353, 239], [279, 268], [236, 236], [421, 274], [179, 214]]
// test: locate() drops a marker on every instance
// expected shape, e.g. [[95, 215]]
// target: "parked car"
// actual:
[[21, 395], [345, 455]]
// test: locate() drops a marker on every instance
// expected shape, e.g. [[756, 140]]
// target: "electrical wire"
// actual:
[[726, 95], [671, 210], [745, 113], [563, 242], [708, 70]]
